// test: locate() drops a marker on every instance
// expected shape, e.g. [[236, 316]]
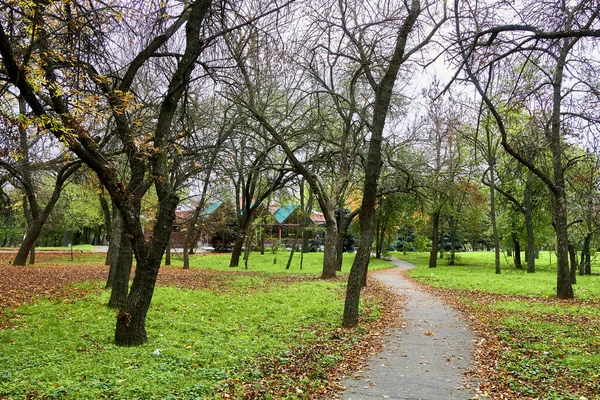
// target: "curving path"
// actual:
[[425, 360]]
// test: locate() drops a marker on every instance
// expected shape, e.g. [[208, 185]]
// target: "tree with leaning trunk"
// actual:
[[149, 165], [381, 76]]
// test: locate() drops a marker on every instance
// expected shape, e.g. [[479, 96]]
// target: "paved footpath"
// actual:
[[425, 360]]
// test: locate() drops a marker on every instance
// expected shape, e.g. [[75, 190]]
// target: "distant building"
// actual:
[[283, 223]]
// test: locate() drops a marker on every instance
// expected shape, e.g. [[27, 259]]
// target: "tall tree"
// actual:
[[381, 60], [584, 200], [440, 146], [548, 39], [298, 98], [76, 63]]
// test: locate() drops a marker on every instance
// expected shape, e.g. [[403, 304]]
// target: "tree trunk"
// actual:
[[588, 264], [291, 257], [529, 225], [236, 252], [240, 239], [112, 255], [192, 232], [247, 249], [493, 218], [359, 266], [573, 263], [131, 319], [564, 289], [517, 247], [168, 253], [453, 223], [435, 239], [33, 232], [122, 272], [304, 241], [191, 237], [330, 256], [585, 255], [378, 239], [32, 254], [38, 219], [186, 257], [340, 249], [363, 282]]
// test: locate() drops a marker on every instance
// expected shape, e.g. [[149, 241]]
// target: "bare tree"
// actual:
[[319, 130], [256, 171]]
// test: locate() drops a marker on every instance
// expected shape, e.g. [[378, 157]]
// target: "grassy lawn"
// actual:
[[535, 346], [262, 335], [273, 263]]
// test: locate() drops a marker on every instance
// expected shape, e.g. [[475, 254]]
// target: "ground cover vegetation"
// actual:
[[126, 122], [531, 345], [217, 333]]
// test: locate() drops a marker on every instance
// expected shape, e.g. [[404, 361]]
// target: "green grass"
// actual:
[[476, 271], [312, 263], [221, 339], [205, 338], [547, 349]]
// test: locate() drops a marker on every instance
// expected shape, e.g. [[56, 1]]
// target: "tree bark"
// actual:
[[291, 257], [585, 261], [340, 250], [529, 225], [330, 256], [435, 239], [243, 227], [114, 244], [573, 263], [383, 94], [32, 254], [33, 232], [122, 272], [247, 248], [517, 247]]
